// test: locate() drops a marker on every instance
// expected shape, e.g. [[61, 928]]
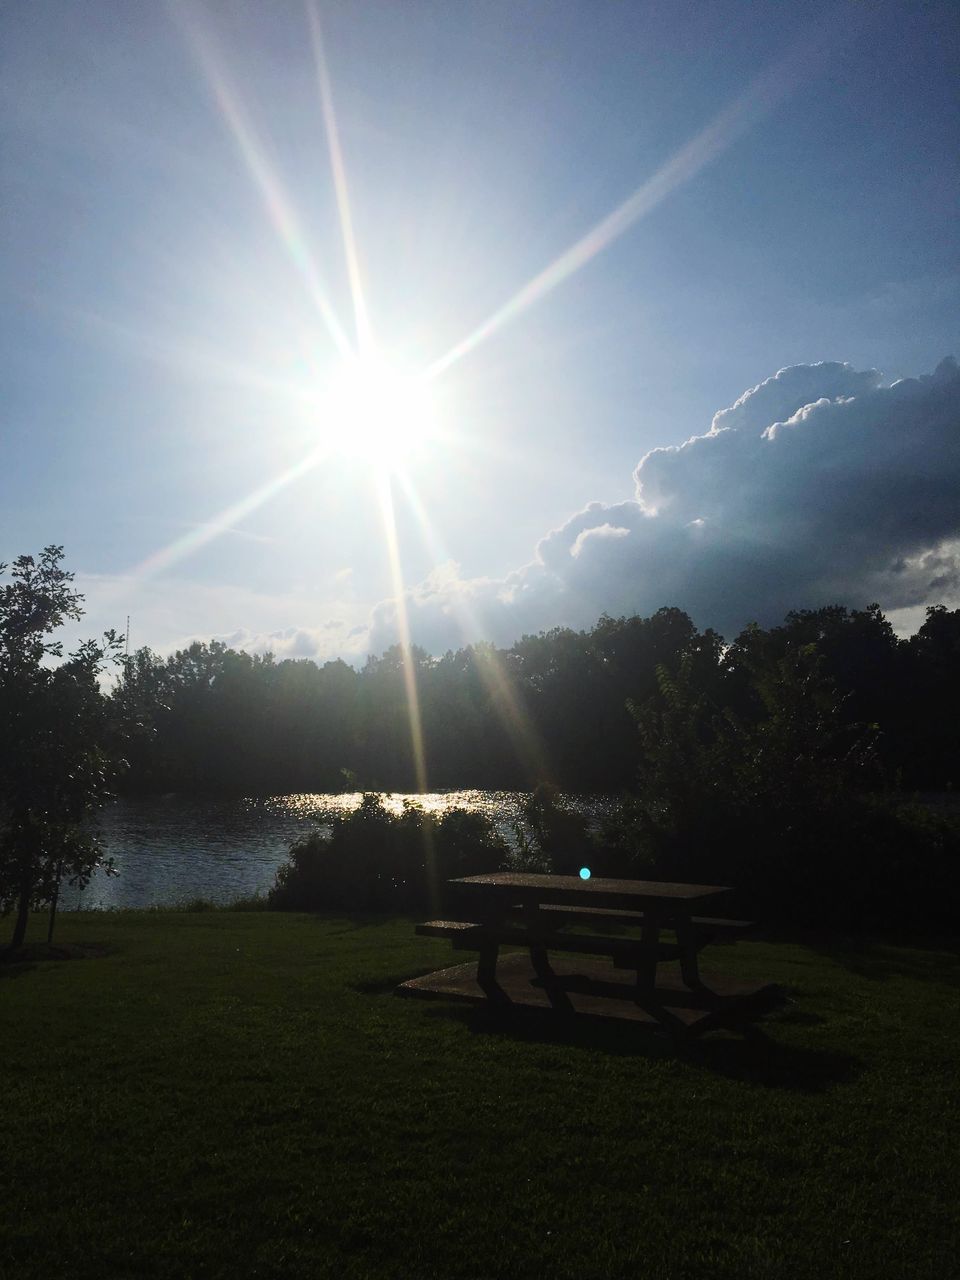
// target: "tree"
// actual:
[[933, 733], [58, 743], [766, 791], [860, 653]]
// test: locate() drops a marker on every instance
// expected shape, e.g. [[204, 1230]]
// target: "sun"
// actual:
[[377, 410]]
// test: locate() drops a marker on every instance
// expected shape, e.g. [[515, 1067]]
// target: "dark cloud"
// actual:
[[819, 485]]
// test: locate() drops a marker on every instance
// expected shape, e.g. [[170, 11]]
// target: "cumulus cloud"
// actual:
[[819, 485], [170, 613], [331, 640], [601, 531]]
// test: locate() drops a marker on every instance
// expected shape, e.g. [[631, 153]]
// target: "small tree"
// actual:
[[767, 795], [57, 742]]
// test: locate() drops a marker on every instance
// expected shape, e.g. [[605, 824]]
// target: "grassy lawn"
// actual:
[[241, 1095]]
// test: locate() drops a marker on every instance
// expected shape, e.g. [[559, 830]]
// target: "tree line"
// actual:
[[780, 761], [560, 707]]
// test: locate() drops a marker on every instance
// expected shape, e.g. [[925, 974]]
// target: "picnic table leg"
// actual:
[[533, 919], [491, 916], [649, 955], [487, 963], [687, 940]]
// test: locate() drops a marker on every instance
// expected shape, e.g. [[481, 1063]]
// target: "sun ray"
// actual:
[[191, 357], [201, 534], [772, 85], [338, 169], [388, 514], [525, 739], [280, 210]]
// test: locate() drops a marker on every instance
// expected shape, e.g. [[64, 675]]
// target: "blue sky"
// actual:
[[173, 263]]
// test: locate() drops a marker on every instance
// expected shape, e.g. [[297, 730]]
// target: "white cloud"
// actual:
[[331, 640], [601, 531], [817, 486], [168, 613]]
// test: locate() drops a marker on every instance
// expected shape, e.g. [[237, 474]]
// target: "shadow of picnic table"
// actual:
[[756, 1057]]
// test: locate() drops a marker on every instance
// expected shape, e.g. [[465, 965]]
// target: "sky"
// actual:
[[327, 325]]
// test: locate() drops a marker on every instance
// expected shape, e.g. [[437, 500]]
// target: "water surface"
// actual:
[[171, 849]]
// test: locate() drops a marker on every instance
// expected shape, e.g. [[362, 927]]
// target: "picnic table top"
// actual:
[[564, 888]]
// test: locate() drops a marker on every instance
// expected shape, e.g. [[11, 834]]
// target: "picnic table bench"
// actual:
[[535, 912]]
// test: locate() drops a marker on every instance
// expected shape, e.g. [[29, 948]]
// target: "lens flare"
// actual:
[[385, 494], [530, 750], [224, 520], [339, 172], [280, 209], [773, 84]]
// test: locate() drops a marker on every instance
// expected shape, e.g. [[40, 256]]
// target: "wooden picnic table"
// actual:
[[518, 909], [652, 904]]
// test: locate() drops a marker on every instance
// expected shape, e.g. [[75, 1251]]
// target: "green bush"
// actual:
[[554, 838], [379, 862], [778, 804], [550, 836]]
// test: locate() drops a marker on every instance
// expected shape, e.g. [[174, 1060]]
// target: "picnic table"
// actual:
[[535, 913]]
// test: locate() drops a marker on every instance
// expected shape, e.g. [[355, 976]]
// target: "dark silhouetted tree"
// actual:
[[57, 741]]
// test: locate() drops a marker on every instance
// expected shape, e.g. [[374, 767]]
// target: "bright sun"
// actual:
[[378, 411]]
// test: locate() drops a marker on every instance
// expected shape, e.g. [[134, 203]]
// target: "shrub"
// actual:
[[777, 804], [379, 862], [254, 902], [550, 835]]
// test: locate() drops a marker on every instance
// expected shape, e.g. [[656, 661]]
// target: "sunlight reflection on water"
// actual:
[[171, 849]]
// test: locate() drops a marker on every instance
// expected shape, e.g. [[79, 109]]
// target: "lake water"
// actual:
[[171, 849]]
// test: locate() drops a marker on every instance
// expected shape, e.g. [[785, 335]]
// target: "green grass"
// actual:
[[226, 1094]]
